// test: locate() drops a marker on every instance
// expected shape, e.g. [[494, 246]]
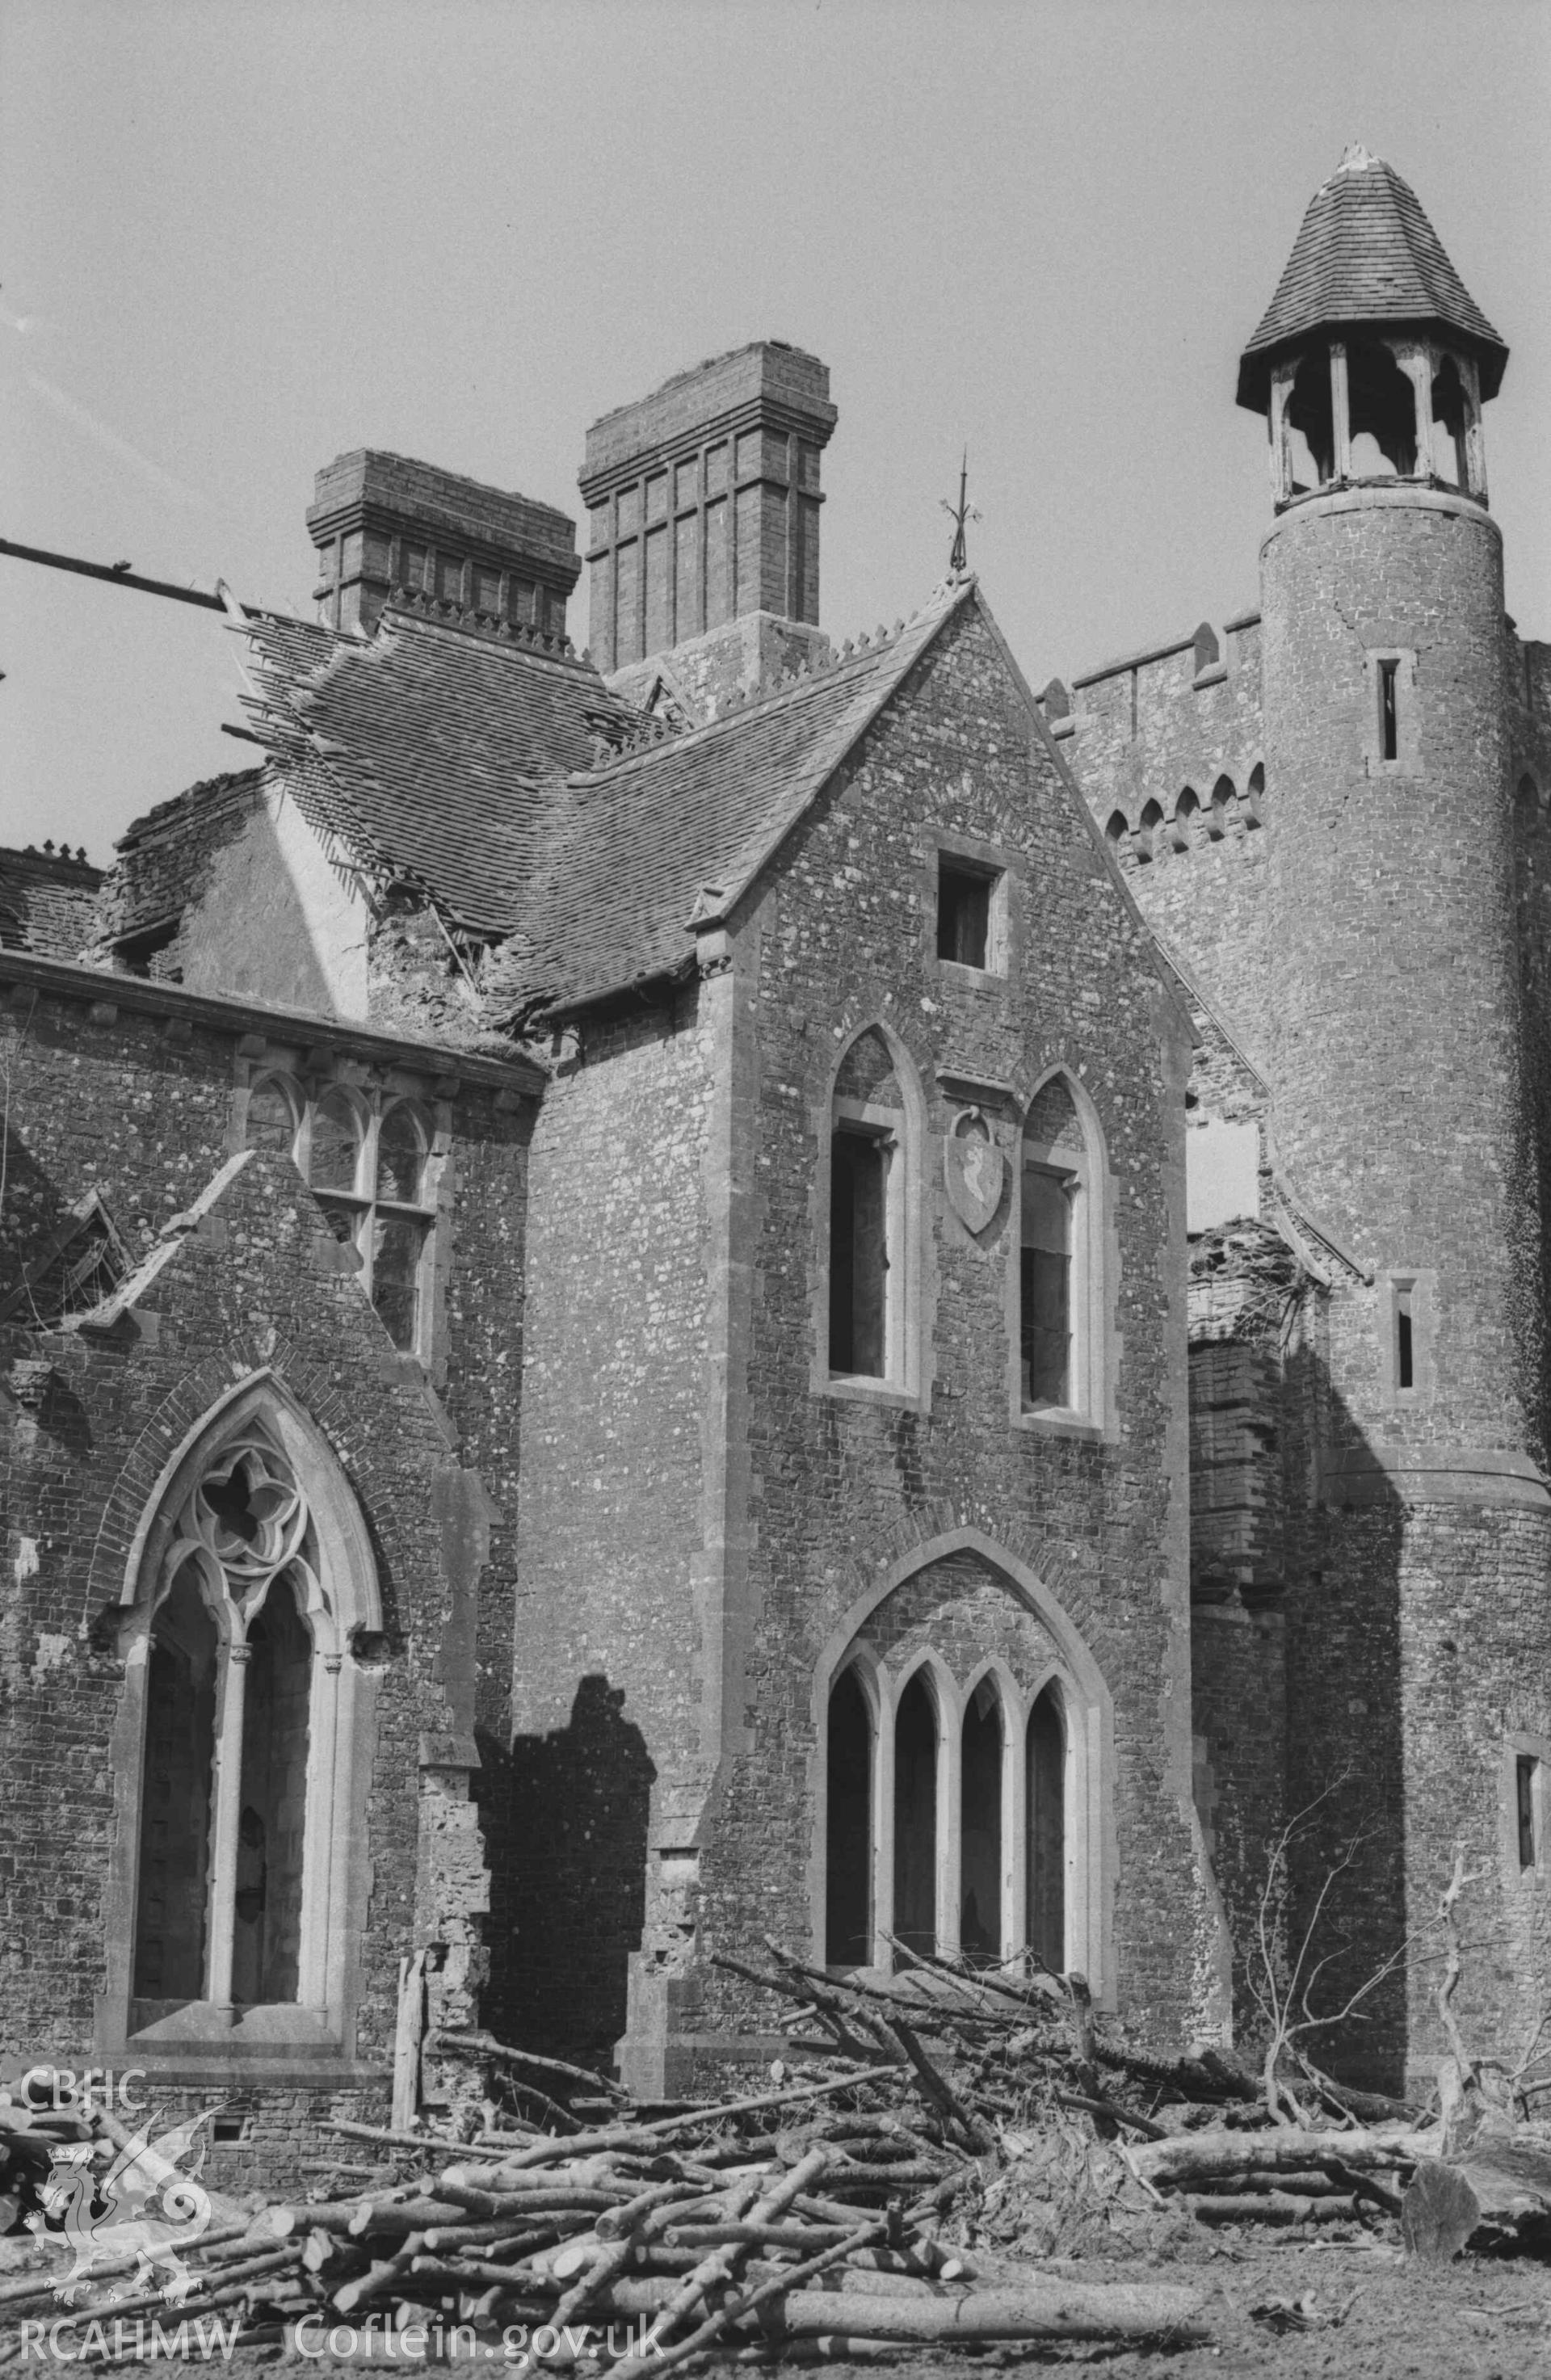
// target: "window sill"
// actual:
[[162, 2035], [1059, 1421], [258, 2026], [958, 971], [860, 1388]]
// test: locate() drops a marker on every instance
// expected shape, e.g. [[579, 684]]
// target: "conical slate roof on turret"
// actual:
[[1366, 253]]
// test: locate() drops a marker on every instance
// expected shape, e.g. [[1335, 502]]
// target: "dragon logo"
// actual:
[[147, 2207]]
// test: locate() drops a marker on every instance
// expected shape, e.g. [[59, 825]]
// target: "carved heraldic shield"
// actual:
[[976, 1168]]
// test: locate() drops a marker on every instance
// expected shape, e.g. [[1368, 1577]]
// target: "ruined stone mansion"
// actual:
[[747, 1285]]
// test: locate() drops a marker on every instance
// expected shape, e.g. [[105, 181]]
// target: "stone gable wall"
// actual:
[[841, 1486], [163, 859]]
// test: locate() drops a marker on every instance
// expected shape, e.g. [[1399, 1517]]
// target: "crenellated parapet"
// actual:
[[1168, 747]]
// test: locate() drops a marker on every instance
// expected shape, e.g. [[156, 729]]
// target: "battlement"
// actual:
[[1188, 709]]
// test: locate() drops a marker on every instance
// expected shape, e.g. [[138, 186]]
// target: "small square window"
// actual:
[[964, 913]]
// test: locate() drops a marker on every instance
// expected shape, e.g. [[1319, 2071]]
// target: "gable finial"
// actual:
[[958, 560]]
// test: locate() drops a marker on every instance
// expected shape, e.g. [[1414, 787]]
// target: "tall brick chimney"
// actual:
[[703, 504], [381, 521]]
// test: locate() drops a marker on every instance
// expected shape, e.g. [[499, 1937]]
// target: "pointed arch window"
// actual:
[[917, 1736], [1045, 1837], [848, 1903], [959, 1819], [244, 1652], [244, 1746], [872, 1202], [981, 1756], [1060, 1283]]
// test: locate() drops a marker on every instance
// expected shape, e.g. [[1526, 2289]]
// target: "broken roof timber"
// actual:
[[303, 1027], [118, 574]]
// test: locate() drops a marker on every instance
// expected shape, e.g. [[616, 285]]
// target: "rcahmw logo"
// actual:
[[131, 2222]]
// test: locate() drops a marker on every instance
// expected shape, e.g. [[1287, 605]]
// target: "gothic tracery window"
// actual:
[[905, 1754], [245, 1649]]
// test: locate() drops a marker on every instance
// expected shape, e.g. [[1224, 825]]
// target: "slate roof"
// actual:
[[1366, 253], [497, 774], [682, 824], [431, 748], [47, 903]]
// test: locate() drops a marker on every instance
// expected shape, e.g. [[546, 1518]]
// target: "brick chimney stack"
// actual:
[[703, 504], [380, 522]]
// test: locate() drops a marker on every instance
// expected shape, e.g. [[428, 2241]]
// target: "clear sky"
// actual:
[[239, 240]]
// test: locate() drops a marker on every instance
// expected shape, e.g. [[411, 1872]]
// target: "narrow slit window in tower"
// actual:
[[848, 1832], [980, 1856], [1405, 1357], [858, 1253], [1388, 712], [915, 1817], [1524, 1771]]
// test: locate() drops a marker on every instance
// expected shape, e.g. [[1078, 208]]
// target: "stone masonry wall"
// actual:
[[609, 1631], [1406, 1114], [1146, 733], [842, 1484], [140, 1107]]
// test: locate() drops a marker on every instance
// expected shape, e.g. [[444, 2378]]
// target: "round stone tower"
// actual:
[[1419, 1657]]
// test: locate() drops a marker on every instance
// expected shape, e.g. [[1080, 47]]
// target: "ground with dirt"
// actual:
[[1364, 2312], [1374, 2314]]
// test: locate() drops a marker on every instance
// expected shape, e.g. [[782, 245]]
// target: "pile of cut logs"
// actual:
[[874, 2192], [807, 2212]]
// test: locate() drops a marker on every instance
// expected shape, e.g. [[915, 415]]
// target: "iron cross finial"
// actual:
[[958, 561]]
